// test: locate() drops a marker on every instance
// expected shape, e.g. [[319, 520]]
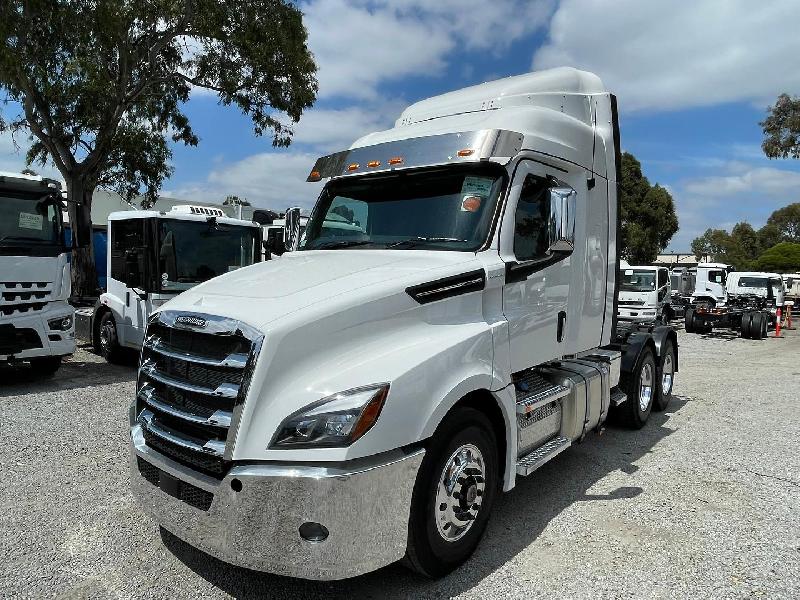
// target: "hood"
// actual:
[[627, 296], [270, 290]]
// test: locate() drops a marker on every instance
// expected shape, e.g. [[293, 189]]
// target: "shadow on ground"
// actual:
[[519, 518], [76, 371]]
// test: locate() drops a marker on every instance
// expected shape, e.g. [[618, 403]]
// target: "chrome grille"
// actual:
[[192, 383], [24, 297]]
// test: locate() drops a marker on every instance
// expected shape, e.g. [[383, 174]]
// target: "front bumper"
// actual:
[[52, 342], [636, 313], [364, 505]]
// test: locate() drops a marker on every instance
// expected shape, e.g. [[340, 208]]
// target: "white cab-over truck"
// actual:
[[36, 320], [367, 397], [152, 257], [644, 294]]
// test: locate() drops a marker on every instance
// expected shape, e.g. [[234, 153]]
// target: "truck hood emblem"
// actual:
[[190, 320]]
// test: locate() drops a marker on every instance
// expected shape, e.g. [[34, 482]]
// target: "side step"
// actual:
[[618, 397], [533, 391], [530, 462]]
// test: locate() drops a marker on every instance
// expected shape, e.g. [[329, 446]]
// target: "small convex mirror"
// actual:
[[561, 226]]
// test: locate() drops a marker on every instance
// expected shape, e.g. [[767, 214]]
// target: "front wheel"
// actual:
[[453, 495], [108, 339], [641, 388]]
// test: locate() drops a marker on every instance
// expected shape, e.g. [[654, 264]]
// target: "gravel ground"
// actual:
[[701, 503]]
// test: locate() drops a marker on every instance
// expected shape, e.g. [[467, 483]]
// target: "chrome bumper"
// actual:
[[364, 505]]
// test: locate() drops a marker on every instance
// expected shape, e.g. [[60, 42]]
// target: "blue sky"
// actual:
[[693, 80]]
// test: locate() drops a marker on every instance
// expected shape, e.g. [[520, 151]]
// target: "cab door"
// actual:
[[537, 246], [128, 243]]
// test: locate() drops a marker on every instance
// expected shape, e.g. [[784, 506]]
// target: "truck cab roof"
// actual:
[[124, 215]]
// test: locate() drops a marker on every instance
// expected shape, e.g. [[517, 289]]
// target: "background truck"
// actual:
[[367, 397], [752, 300], [682, 283], [152, 257], [710, 279], [36, 321], [644, 294]]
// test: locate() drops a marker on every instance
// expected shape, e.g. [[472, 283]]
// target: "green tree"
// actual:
[[787, 222], [235, 201], [781, 258], [782, 128], [647, 214], [768, 236], [101, 86], [715, 243]]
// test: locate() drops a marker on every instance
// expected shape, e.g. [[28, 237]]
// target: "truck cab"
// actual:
[[768, 286], [644, 294], [36, 320], [152, 257], [710, 280], [368, 396]]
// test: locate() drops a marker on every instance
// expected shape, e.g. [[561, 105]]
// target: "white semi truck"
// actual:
[[36, 320], [367, 397], [154, 256], [644, 294]]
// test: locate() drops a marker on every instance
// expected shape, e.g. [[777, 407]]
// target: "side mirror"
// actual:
[[292, 229], [275, 243], [561, 226]]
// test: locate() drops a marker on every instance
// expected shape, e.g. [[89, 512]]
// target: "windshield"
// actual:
[[638, 281], [30, 225], [191, 252], [753, 282], [433, 209]]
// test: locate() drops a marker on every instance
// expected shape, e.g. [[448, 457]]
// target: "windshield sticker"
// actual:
[[30, 221], [470, 203], [478, 186]]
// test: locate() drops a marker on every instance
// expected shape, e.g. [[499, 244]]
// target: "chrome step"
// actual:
[[530, 462], [618, 397], [533, 391]]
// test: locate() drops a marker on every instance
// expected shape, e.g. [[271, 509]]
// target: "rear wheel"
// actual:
[[764, 325], [666, 374], [641, 388], [746, 322], [688, 320], [453, 495], [46, 365], [757, 326]]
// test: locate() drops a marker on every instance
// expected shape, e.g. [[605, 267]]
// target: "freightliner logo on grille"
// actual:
[[190, 320]]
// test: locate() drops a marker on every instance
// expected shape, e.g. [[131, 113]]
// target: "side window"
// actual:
[[124, 236], [662, 278], [716, 277], [531, 222]]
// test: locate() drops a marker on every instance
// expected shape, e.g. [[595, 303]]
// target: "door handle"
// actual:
[[562, 320]]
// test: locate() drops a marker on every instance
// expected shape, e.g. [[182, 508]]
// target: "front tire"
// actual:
[[108, 341], [454, 493], [666, 376], [641, 388]]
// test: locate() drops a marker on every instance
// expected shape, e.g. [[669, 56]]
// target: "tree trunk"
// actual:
[[84, 274]]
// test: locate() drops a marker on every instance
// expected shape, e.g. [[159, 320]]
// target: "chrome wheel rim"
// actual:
[[645, 387], [459, 494], [667, 376]]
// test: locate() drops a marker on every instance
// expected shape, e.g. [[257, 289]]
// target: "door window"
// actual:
[[717, 277], [125, 235], [531, 223], [662, 278]]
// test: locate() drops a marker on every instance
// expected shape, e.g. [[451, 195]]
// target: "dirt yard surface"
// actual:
[[703, 502]]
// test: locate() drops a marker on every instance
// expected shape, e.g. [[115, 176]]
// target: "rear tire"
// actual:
[[641, 387], [108, 340], [746, 322], [666, 376], [688, 320], [765, 325], [447, 521], [757, 326], [46, 365]]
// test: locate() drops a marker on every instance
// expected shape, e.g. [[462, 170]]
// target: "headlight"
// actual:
[[60, 324], [335, 421]]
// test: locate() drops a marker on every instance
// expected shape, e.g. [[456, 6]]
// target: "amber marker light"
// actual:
[[374, 163], [466, 152], [397, 160], [314, 176], [352, 167]]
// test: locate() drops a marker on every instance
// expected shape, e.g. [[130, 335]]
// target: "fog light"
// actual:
[[313, 532], [61, 323]]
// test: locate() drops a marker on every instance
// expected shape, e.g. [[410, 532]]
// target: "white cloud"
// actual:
[[331, 130], [12, 156], [671, 55], [737, 192], [275, 180], [360, 44]]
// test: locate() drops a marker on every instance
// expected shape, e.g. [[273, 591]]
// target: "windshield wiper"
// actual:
[[341, 244], [410, 242]]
